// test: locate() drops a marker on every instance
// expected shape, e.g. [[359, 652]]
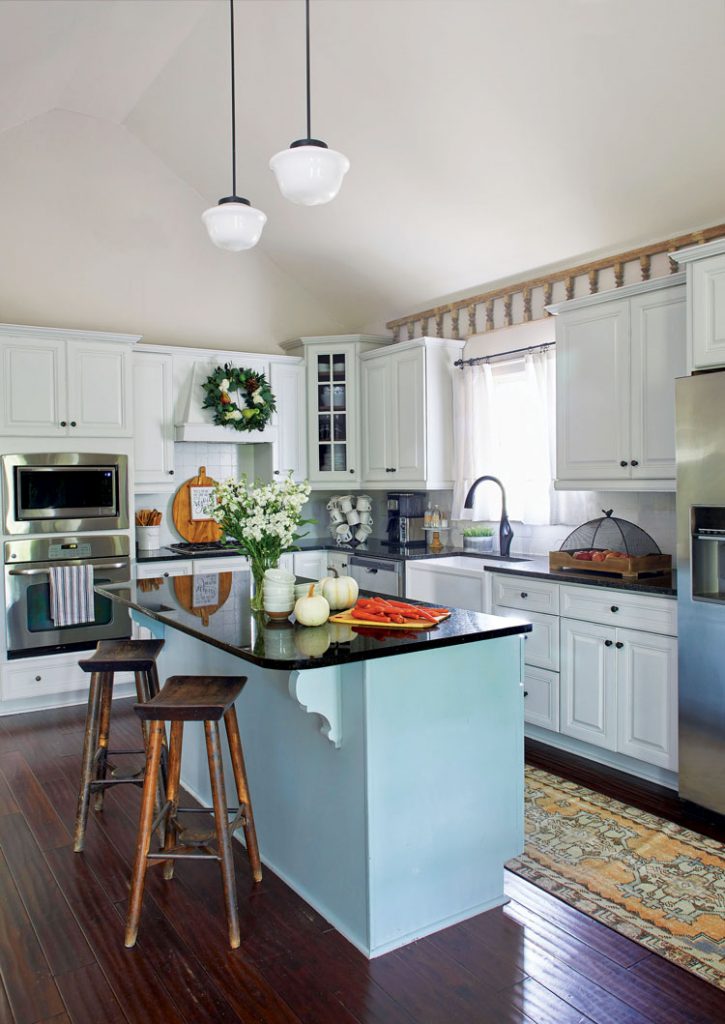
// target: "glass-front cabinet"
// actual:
[[333, 406]]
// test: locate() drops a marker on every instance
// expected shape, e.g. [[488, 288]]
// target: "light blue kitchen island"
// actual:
[[386, 771]]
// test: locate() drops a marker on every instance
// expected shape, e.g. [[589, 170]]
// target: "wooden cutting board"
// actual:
[[346, 619], [192, 591], [194, 530]]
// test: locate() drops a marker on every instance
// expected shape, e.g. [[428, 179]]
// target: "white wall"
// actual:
[[98, 233]]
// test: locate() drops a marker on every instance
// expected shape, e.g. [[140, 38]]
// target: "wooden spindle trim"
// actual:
[[527, 305], [508, 303], [645, 266], [618, 274], [489, 315], [455, 326], [548, 293], [471, 320], [439, 323], [424, 327], [569, 287], [593, 276], [396, 334], [674, 266]]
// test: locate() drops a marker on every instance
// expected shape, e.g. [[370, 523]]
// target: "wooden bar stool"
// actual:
[[204, 699], [109, 657]]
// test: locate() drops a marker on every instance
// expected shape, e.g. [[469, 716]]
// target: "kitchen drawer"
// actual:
[[541, 647], [541, 698], [41, 678], [620, 608], [224, 563], [526, 593], [172, 567]]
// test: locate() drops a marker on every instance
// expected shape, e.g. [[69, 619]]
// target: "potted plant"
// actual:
[[478, 538]]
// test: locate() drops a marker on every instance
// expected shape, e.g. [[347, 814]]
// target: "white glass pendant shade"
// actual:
[[309, 174], [233, 224]]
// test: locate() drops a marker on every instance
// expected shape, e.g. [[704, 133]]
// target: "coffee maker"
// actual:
[[406, 512]]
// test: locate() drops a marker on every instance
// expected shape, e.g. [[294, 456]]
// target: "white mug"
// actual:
[[366, 518], [333, 503], [336, 515], [362, 532], [353, 517], [364, 504], [343, 533], [346, 502]]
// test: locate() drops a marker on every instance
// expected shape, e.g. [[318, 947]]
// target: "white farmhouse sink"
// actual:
[[462, 563]]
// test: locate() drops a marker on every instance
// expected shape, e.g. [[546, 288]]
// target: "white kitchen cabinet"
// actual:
[[310, 564], [541, 645], [647, 697], [407, 414], [153, 417], [59, 383], [705, 266], [164, 569], [446, 585], [617, 356], [333, 406], [289, 450], [588, 683], [541, 697]]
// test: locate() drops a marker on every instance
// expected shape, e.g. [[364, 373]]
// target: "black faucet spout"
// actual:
[[505, 533]]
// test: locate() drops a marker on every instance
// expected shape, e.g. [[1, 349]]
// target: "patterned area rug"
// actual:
[[657, 883]]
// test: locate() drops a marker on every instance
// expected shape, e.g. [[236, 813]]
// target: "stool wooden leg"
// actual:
[[145, 690], [221, 821], [90, 745], [240, 778], [172, 792], [104, 730], [143, 839]]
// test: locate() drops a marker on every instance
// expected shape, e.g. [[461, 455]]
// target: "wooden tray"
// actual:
[[184, 590], [628, 568], [346, 619], [195, 530]]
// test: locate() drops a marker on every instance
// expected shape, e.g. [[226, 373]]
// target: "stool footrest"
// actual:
[[132, 780], [169, 855]]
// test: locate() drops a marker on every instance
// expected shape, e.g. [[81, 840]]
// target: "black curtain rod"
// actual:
[[500, 355]]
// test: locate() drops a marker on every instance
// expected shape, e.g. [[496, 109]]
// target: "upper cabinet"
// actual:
[[705, 265], [59, 383], [290, 448], [407, 414], [617, 357], [153, 441], [333, 406]]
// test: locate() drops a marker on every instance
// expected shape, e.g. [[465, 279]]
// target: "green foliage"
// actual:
[[478, 531], [253, 387]]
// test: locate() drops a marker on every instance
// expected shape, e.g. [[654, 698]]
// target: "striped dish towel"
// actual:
[[71, 594]]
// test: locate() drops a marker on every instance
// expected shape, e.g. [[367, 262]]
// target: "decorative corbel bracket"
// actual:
[[319, 692]]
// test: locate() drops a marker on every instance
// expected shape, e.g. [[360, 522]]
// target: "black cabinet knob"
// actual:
[[63, 423], [623, 464], [38, 679], [608, 643], [276, 472], [524, 594], [352, 470], [619, 645], [526, 693], [166, 574], [171, 472], [73, 423], [634, 462], [614, 608]]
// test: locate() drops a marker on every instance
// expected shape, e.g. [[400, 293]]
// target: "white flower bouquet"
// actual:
[[262, 519]]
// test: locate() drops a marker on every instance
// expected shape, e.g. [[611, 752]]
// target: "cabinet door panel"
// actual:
[[377, 416], [33, 387], [541, 698], [153, 440], [408, 420], [593, 393], [659, 355], [647, 697], [99, 389], [290, 448], [541, 645], [588, 683], [708, 312], [332, 415]]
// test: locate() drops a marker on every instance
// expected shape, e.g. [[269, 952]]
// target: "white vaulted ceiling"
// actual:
[[487, 138]]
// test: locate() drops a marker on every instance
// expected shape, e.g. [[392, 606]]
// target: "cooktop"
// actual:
[[212, 547]]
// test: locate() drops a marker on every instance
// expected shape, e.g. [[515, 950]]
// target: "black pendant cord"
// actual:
[[307, 43], [234, 105]]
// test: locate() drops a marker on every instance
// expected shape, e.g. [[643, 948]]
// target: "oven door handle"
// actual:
[[94, 565]]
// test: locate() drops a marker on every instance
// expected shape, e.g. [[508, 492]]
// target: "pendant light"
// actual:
[[234, 224], [308, 172]]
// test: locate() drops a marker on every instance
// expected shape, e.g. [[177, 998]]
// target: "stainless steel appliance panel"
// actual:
[[378, 575], [64, 492], [30, 630], [701, 615]]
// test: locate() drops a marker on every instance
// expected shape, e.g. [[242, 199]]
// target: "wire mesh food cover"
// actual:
[[612, 534]]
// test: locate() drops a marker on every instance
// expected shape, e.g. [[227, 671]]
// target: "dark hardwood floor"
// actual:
[[62, 957]]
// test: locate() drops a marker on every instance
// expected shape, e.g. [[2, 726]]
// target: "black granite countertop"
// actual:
[[538, 567], [376, 548], [234, 628]]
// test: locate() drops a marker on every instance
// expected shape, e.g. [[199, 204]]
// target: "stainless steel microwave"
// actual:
[[64, 493]]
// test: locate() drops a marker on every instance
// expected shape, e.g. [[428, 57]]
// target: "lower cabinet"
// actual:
[[310, 564], [541, 697], [619, 690]]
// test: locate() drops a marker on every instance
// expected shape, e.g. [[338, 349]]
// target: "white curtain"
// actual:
[[505, 426]]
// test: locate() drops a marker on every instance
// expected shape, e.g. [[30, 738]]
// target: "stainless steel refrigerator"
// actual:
[[701, 587]]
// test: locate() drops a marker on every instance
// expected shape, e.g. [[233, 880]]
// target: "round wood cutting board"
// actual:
[[194, 530], [185, 595]]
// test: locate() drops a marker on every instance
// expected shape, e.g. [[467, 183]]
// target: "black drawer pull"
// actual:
[[38, 679], [634, 462], [608, 643], [73, 423], [526, 693], [63, 423], [623, 464], [524, 594], [619, 645], [614, 608]]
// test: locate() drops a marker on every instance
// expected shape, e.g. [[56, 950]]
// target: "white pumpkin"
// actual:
[[340, 591], [312, 642], [312, 610], [340, 633]]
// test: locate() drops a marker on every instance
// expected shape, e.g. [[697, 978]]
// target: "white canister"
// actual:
[[148, 538]]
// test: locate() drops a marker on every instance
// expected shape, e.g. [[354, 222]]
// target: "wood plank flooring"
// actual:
[[62, 958]]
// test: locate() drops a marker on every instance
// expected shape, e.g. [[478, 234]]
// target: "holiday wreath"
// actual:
[[252, 386]]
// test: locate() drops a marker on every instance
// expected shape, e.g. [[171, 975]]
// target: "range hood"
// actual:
[[198, 424]]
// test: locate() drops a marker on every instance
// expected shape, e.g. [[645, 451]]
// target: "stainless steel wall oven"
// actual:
[[30, 627], [64, 493]]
